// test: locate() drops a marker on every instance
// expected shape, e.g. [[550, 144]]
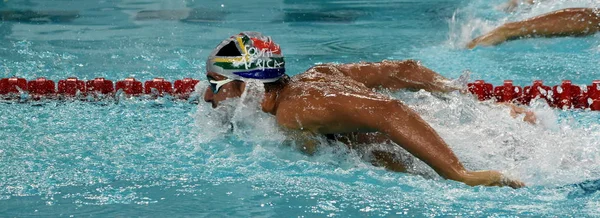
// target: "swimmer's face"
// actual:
[[231, 89]]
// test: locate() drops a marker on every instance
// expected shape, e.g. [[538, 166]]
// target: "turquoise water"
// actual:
[[157, 158]]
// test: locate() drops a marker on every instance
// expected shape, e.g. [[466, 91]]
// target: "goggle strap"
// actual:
[[220, 83]]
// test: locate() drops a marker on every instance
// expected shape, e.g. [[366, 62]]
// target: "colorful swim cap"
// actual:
[[248, 55]]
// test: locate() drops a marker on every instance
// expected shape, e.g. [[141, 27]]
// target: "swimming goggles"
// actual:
[[216, 85]]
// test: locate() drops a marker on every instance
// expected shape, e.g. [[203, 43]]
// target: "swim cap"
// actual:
[[248, 55]]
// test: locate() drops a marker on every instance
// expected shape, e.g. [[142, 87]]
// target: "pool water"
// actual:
[[157, 158]]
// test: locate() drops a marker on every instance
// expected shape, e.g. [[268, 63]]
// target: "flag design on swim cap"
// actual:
[[248, 55]]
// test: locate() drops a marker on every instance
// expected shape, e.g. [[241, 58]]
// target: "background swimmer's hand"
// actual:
[[494, 37], [529, 115], [491, 178]]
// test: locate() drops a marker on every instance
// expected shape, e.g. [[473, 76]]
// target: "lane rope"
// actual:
[[563, 96]]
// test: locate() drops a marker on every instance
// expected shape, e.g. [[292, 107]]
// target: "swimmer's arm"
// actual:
[[565, 22], [391, 74], [407, 129]]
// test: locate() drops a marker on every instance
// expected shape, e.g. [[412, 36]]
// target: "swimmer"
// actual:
[[565, 22], [338, 101]]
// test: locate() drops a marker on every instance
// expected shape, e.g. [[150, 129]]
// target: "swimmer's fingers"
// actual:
[[494, 37], [485, 40], [503, 180], [472, 44], [530, 117], [492, 178], [476, 41], [513, 183]]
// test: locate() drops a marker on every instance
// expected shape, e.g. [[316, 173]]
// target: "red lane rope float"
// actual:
[[508, 92], [71, 86], [130, 86], [184, 87], [41, 87], [593, 94], [564, 96], [12, 88], [99, 86], [12, 85]]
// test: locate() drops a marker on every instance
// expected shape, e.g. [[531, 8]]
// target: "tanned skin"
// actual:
[[339, 99], [565, 22]]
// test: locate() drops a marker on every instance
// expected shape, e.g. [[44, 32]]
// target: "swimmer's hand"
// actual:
[[494, 37], [490, 178], [529, 115]]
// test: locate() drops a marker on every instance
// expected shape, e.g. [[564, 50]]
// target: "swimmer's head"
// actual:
[[242, 57], [248, 55]]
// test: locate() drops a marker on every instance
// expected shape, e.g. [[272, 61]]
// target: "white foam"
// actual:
[[560, 149], [470, 22], [484, 136]]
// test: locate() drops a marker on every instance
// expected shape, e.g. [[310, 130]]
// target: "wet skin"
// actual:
[[338, 99], [565, 22]]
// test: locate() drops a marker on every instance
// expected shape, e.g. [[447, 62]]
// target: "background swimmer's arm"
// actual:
[[566, 22], [392, 75]]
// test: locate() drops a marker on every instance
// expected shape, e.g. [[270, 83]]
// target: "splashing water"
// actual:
[[476, 19], [126, 158], [553, 152]]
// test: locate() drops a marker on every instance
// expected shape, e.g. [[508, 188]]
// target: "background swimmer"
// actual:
[[565, 22]]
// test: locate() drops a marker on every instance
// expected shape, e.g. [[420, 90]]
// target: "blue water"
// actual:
[[157, 158]]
